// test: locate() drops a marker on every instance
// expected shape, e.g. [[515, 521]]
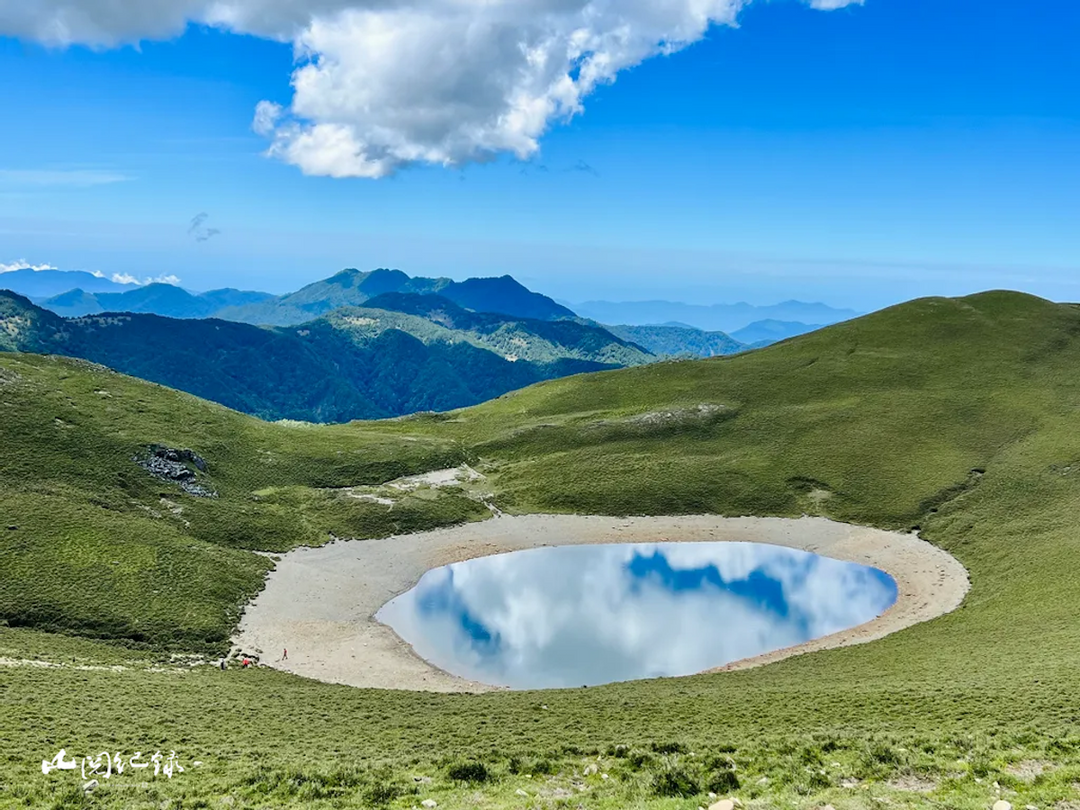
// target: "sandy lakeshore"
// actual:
[[320, 603]]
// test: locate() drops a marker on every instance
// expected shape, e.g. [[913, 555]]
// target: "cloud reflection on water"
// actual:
[[576, 615]]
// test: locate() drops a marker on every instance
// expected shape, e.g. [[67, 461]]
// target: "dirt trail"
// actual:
[[321, 602]]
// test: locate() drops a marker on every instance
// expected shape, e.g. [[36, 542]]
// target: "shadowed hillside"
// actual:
[[352, 364]]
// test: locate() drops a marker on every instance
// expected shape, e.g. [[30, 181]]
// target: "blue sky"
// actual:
[[860, 156]]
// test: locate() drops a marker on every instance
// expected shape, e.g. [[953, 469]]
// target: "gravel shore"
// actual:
[[320, 603]]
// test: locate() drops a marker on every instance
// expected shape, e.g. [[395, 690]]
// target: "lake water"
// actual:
[[585, 615]]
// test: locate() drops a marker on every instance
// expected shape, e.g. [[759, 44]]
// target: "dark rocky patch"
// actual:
[[170, 464]]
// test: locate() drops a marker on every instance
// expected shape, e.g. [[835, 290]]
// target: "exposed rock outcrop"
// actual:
[[175, 466]]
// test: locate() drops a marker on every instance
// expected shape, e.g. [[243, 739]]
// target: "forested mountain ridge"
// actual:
[[355, 288], [353, 364]]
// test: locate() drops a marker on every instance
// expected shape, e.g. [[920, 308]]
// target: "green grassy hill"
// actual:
[[958, 416]]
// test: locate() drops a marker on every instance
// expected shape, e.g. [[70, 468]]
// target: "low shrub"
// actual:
[[468, 772], [382, 793], [675, 783], [723, 781]]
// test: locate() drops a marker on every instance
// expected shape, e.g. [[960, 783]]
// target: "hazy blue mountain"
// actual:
[[355, 288], [72, 304], [672, 340], [351, 364], [770, 331], [158, 299], [47, 283], [348, 288], [720, 317], [506, 296], [230, 297]]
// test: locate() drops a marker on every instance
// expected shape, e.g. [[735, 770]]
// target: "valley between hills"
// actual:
[[358, 345]]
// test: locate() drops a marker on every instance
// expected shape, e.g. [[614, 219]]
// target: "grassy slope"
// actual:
[[890, 414], [105, 549]]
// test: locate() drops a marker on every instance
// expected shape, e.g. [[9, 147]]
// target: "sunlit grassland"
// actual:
[[961, 417]]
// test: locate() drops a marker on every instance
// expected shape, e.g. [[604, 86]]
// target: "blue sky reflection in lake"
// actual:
[[577, 615]]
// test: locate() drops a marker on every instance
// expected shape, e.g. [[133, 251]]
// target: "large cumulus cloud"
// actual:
[[381, 84]]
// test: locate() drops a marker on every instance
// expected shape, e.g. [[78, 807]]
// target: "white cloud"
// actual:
[[127, 278], [267, 115], [22, 264], [80, 178], [832, 5], [382, 84], [451, 82], [100, 23]]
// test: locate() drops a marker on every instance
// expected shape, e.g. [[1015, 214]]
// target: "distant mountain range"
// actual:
[[502, 295], [716, 317], [156, 299], [85, 294], [74, 294], [762, 333], [363, 344], [44, 283], [413, 353], [671, 340]]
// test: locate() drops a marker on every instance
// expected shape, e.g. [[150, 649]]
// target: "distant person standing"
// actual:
[[285, 654]]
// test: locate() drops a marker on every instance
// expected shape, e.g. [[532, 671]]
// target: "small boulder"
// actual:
[[723, 804], [1001, 804], [520, 792], [590, 770], [89, 786], [429, 803]]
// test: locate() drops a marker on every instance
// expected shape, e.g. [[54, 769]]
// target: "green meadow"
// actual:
[[958, 417]]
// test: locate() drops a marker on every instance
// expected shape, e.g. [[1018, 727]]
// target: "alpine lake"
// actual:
[[573, 616]]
